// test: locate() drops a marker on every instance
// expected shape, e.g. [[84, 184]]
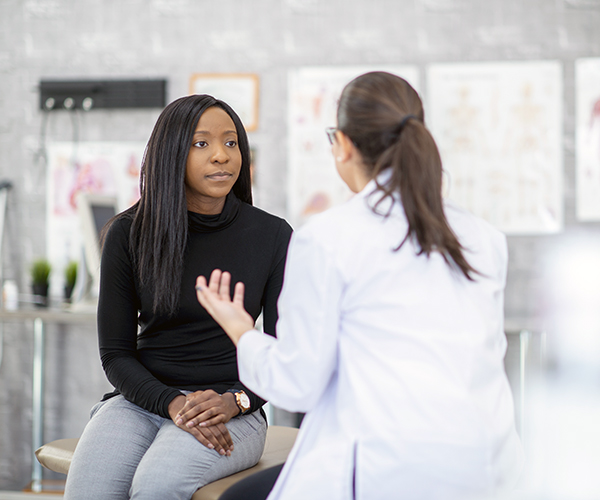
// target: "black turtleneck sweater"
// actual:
[[189, 351]]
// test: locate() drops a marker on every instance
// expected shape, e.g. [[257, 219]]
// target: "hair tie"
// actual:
[[403, 123]]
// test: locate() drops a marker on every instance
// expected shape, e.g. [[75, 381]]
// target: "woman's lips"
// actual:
[[219, 176]]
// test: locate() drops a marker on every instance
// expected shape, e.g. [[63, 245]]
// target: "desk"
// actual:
[[40, 318]]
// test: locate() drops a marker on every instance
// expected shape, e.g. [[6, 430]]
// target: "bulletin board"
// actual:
[[103, 168], [587, 88], [313, 183], [239, 90], [499, 130]]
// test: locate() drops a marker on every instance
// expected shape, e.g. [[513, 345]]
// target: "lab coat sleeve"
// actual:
[[293, 371]]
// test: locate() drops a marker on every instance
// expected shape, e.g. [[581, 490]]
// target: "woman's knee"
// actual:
[[109, 451], [117, 429], [166, 481], [176, 464]]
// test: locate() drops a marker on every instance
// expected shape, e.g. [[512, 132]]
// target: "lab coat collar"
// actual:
[[372, 195]]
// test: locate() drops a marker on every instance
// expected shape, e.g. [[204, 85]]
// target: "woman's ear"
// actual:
[[348, 162], [343, 147]]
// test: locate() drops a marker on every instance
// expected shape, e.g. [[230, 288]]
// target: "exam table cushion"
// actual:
[[57, 456]]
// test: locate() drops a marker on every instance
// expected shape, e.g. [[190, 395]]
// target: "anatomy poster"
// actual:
[[587, 88], [103, 168], [313, 183], [499, 130]]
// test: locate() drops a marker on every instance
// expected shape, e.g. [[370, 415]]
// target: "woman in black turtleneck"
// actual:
[[195, 214]]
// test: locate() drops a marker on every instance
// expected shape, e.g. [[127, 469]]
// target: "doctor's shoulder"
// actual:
[[335, 227], [476, 234]]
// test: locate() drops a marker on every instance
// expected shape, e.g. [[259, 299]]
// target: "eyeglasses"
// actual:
[[330, 131]]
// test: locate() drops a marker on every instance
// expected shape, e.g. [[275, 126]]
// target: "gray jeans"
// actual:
[[127, 452]]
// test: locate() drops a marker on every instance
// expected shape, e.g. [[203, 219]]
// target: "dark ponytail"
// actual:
[[383, 116]]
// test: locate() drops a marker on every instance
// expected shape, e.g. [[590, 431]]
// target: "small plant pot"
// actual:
[[68, 292], [40, 293]]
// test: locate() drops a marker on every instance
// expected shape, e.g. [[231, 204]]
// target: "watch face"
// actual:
[[244, 400]]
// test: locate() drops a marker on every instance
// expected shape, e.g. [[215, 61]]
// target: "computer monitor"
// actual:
[[94, 211]]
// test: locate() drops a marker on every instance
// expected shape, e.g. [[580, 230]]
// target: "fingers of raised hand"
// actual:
[[219, 284], [238, 294], [202, 293], [224, 286], [215, 279], [201, 283]]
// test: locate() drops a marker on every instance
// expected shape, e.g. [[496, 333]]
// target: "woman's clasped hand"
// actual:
[[204, 415]]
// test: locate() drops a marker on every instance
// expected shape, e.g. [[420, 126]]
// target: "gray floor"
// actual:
[[17, 495]]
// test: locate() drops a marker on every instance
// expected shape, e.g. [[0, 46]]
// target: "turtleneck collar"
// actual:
[[202, 223]]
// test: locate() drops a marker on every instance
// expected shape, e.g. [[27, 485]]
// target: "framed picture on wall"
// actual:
[[239, 90]]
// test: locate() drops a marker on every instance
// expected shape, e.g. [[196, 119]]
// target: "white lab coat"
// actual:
[[396, 358]]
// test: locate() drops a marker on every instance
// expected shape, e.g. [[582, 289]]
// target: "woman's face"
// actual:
[[213, 163]]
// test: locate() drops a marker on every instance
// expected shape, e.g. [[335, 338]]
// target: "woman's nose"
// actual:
[[220, 155]]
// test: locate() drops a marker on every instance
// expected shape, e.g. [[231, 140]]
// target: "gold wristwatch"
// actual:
[[241, 399]]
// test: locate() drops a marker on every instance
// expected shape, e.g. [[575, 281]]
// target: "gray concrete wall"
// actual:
[[175, 38]]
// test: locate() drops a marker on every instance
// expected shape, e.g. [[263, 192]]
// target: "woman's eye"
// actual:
[[231, 144], [201, 144]]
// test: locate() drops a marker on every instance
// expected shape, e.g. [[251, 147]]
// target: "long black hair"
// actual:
[[160, 222], [383, 116]]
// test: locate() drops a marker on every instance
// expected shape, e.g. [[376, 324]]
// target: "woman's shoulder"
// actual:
[[121, 221], [265, 220], [117, 230]]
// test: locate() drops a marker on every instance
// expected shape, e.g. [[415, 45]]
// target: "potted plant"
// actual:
[[70, 279], [40, 274]]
